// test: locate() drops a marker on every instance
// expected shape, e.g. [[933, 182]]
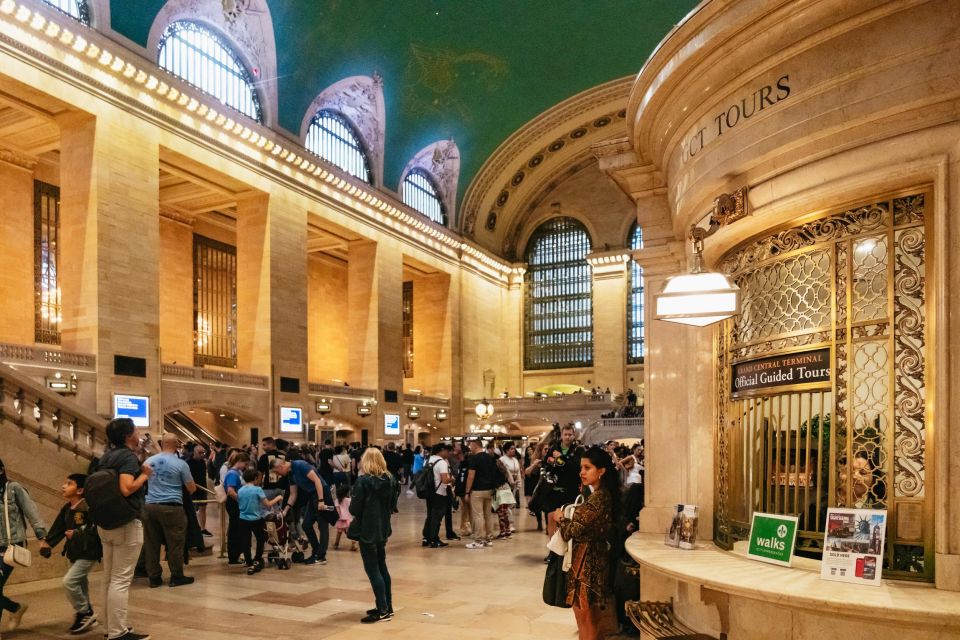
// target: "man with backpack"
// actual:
[[115, 496], [435, 482]]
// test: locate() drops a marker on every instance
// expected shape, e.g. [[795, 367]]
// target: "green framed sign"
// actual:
[[772, 538]]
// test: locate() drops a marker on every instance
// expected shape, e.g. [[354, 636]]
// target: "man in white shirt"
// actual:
[[437, 502]]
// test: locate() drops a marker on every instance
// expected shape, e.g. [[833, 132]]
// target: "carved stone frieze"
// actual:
[[18, 159]]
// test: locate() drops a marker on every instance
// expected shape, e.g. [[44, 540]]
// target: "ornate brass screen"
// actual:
[[853, 282]]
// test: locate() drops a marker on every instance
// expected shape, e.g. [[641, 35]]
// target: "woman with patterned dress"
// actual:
[[592, 530]]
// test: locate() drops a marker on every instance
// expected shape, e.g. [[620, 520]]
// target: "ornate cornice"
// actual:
[[17, 159], [69, 51]]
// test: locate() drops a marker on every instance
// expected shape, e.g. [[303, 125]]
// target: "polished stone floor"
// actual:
[[438, 593]]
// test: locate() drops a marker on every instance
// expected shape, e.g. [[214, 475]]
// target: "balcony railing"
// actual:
[[338, 391], [185, 372], [433, 401], [45, 356]]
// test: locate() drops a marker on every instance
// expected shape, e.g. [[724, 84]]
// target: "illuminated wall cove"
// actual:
[[849, 291]]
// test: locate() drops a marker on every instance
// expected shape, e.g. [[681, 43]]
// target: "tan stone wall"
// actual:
[[328, 335], [16, 259], [176, 292], [432, 344]]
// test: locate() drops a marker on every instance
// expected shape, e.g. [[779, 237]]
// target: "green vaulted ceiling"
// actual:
[[474, 70]]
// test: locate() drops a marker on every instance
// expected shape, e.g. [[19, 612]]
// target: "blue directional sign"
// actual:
[[391, 424], [137, 408], [291, 420]]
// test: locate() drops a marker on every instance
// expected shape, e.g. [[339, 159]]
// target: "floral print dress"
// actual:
[[590, 528]]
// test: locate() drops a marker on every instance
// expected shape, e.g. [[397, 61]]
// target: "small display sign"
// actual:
[[291, 420], [769, 375], [391, 424], [772, 538], [853, 549], [137, 408]]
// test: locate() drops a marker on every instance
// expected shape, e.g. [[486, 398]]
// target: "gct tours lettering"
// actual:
[[738, 112]]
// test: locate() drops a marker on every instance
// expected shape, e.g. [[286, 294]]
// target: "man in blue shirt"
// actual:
[[309, 491], [163, 516]]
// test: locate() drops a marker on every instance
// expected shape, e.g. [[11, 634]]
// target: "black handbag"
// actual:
[[555, 583]]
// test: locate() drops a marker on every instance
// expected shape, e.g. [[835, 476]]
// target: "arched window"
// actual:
[[203, 58], [635, 302], [558, 313], [420, 193], [77, 9], [334, 139]]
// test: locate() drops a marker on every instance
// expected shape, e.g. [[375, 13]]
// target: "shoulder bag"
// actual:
[[557, 544], [15, 555]]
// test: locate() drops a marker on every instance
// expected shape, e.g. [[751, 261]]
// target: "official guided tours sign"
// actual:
[[772, 538], [769, 375]]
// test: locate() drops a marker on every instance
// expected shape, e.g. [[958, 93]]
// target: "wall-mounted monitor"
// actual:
[[391, 424], [291, 420], [137, 408]]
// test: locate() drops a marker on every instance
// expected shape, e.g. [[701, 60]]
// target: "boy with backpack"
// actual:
[[82, 548]]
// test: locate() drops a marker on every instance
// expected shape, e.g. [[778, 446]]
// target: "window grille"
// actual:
[[214, 303], [635, 331], [205, 60], [334, 139], [77, 9], [558, 318], [407, 329], [46, 261], [420, 193]]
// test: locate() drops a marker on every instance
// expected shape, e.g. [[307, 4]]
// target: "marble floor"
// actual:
[[438, 593]]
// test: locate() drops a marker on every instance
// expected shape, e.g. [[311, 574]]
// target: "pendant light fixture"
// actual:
[[700, 297]]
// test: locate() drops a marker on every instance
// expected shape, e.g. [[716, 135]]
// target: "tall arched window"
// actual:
[[77, 9], [635, 302], [558, 308], [420, 193], [204, 59], [334, 139]]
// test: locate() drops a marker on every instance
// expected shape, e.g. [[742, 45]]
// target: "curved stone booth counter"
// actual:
[[716, 591]]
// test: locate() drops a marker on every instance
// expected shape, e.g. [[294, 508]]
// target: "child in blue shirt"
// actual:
[[252, 501]]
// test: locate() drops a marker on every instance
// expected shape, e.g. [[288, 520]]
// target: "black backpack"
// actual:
[[423, 482], [108, 508]]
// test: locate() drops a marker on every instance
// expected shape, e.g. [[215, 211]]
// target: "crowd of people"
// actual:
[[142, 496]]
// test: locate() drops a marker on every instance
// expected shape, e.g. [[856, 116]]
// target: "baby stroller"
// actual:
[[284, 548]]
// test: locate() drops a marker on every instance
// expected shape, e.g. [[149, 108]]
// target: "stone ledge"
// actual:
[[800, 587]]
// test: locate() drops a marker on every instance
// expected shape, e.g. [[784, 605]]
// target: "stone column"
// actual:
[[272, 295], [609, 318], [16, 261], [679, 394], [375, 297], [110, 253], [513, 333]]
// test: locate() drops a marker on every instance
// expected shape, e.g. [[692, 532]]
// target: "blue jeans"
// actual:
[[374, 558], [77, 586]]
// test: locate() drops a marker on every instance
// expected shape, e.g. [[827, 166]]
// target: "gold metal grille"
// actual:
[[854, 282]]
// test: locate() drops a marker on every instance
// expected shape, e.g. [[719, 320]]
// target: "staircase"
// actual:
[[43, 438]]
